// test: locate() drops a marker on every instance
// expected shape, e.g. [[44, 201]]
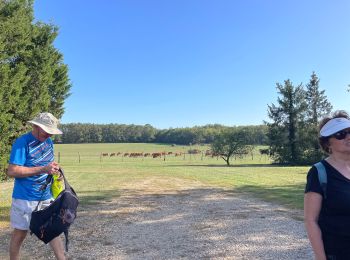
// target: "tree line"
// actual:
[[121, 133]]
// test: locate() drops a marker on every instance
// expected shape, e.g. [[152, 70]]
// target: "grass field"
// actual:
[[97, 178]]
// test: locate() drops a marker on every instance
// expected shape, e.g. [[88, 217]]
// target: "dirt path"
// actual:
[[191, 222]]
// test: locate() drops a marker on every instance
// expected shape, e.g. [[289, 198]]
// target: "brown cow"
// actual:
[[155, 155], [135, 154]]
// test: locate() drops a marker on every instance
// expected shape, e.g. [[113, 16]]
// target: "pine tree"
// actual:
[[15, 28], [318, 107], [288, 117], [33, 77]]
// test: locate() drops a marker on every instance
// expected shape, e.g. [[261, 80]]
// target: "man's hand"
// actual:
[[52, 168]]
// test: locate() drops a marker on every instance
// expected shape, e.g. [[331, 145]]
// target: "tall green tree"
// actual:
[[287, 117], [15, 29], [318, 107], [33, 77]]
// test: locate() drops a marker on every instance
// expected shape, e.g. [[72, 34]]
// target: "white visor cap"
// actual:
[[334, 125]]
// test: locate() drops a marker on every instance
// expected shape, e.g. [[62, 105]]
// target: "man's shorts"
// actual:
[[21, 212]]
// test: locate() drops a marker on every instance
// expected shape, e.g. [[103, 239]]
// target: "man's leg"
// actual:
[[17, 238], [57, 246]]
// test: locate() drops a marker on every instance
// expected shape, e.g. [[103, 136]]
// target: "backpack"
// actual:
[[322, 177], [55, 219]]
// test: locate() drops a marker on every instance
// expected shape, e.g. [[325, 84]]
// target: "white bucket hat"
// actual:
[[47, 122], [334, 125]]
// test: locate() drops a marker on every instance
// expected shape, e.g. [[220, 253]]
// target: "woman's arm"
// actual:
[[312, 208]]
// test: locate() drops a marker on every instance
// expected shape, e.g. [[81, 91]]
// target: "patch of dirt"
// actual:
[[182, 220]]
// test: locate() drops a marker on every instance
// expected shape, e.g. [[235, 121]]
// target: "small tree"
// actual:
[[229, 143]]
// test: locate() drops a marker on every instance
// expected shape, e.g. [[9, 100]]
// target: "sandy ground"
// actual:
[[186, 221]]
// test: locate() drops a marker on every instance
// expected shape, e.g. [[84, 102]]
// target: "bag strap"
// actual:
[[49, 179], [322, 177], [67, 241], [66, 184], [43, 187]]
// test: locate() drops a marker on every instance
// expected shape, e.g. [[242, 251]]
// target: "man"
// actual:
[[31, 160]]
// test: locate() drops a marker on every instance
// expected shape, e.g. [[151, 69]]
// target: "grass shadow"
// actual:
[[223, 165], [90, 198], [290, 196]]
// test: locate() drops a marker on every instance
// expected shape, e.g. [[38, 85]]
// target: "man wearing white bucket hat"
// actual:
[[327, 208], [31, 160]]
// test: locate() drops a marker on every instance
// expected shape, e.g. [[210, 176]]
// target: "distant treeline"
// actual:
[[121, 133]]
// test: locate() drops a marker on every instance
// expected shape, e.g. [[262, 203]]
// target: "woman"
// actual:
[[327, 219]]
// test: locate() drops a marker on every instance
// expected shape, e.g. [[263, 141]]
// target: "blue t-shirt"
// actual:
[[29, 152]]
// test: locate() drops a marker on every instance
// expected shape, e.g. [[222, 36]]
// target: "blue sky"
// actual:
[[179, 63]]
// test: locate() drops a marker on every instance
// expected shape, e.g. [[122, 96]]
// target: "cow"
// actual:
[[266, 151], [155, 155], [135, 154]]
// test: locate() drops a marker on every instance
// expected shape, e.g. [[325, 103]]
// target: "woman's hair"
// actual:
[[324, 141]]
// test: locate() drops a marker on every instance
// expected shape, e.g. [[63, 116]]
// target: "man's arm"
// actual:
[[16, 171]]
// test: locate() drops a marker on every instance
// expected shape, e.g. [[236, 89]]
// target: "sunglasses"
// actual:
[[341, 134]]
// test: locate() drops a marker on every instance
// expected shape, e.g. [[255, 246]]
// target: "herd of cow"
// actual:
[[207, 153], [158, 154]]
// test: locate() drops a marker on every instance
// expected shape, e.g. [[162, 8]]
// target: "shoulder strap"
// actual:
[[322, 177], [66, 236]]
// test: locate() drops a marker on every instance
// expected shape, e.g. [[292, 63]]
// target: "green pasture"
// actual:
[[96, 178]]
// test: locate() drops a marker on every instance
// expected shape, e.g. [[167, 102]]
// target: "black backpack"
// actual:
[[55, 219]]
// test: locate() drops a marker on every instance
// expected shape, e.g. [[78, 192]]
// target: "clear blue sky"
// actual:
[[179, 63]]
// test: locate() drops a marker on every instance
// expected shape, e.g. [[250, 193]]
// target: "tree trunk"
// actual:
[[227, 161]]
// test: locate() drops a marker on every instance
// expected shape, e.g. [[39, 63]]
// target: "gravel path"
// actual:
[[191, 222]]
